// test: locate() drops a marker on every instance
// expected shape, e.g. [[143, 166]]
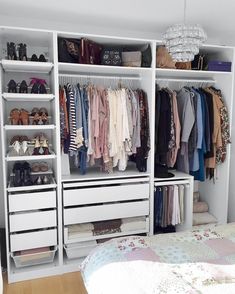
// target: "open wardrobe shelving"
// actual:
[[43, 215]]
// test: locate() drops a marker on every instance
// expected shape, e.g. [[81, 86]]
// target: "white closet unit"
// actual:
[[40, 215]]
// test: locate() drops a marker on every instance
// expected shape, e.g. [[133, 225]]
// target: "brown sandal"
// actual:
[[24, 117], [44, 115], [36, 116], [15, 116]]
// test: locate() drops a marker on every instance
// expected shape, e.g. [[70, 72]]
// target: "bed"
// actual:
[[201, 261]]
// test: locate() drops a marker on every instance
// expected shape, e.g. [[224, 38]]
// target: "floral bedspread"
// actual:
[[201, 261]]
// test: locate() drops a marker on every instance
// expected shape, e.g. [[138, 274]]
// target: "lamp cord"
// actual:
[[184, 11]]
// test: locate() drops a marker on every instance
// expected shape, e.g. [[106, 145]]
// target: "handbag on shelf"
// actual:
[[111, 56], [68, 50], [199, 62], [183, 65], [89, 52], [131, 58], [163, 58], [146, 59]]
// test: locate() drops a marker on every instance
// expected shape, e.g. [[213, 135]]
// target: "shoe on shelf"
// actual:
[[15, 149], [11, 51], [44, 115], [24, 149], [12, 86], [24, 117], [23, 87], [38, 86], [36, 116], [26, 174], [22, 52], [38, 181], [34, 57], [43, 166], [45, 180], [17, 170], [42, 58], [15, 116]]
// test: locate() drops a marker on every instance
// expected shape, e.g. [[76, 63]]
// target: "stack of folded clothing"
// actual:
[[133, 224], [107, 227], [201, 216], [80, 230]]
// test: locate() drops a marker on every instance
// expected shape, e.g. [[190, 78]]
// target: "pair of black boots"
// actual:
[[38, 86], [22, 174], [11, 51]]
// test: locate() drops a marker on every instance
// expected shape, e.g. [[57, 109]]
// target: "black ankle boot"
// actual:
[[23, 87], [11, 51], [22, 52], [26, 176], [12, 87], [17, 170]]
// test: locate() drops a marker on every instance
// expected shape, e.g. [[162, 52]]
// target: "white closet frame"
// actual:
[[215, 194]]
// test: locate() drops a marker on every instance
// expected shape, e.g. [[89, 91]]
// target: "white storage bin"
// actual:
[[34, 259], [78, 250]]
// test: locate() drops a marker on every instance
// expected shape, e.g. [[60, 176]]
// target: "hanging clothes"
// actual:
[[104, 127]]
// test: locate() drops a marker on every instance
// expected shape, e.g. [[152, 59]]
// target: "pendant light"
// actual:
[[183, 40]]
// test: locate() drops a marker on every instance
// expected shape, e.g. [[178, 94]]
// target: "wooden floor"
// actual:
[[65, 284]]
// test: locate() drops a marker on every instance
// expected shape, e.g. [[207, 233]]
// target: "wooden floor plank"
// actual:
[[70, 283]]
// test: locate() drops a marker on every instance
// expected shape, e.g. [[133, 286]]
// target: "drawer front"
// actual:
[[105, 212], [32, 220], [106, 194], [29, 201], [33, 240]]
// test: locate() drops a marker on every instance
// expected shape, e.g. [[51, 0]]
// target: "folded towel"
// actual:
[[74, 235], [81, 227], [133, 223], [34, 251], [106, 231], [200, 206], [203, 218], [82, 244]]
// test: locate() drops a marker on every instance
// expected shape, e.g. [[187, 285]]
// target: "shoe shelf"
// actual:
[[48, 172], [11, 188], [26, 66], [30, 157], [29, 127], [27, 97]]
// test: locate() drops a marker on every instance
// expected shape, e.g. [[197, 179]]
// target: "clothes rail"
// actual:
[[100, 77], [186, 80]]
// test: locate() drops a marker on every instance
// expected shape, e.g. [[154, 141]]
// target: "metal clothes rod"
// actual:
[[185, 80], [100, 77]]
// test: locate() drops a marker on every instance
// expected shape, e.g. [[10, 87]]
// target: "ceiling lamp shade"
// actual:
[[183, 41]]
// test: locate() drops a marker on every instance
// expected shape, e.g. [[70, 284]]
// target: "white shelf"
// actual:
[[29, 127], [178, 176], [26, 66], [27, 97], [95, 174], [30, 157], [32, 187], [107, 236], [189, 74], [101, 69]]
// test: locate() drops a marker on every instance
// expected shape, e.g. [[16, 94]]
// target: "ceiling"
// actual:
[[138, 18]]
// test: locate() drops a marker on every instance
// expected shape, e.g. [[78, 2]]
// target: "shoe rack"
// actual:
[[29, 153]]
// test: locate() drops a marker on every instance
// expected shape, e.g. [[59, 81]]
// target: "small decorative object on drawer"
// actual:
[[132, 58], [219, 66], [34, 256], [81, 249], [111, 56]]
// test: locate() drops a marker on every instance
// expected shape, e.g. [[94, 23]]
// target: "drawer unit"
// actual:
[[32, 200], [104, 194], [105, 212], [23, 241], [32, 220]]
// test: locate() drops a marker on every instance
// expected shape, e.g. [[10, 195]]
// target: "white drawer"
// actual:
[[106, 194], [32, 200], [33, 240], [105, 212], [32, 220]]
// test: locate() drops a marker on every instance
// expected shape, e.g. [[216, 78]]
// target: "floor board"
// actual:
[[70, 283]]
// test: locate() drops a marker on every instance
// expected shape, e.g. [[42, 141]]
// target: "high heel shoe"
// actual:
[[42, 58], [22, 52], [11, 51], [23, 87], [15, 116], [12, 87], [24, 117]]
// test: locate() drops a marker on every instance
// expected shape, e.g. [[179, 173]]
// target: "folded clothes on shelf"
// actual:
[[200, 206], [107, 227], [203, 218], [80, 230], [133, 223]]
